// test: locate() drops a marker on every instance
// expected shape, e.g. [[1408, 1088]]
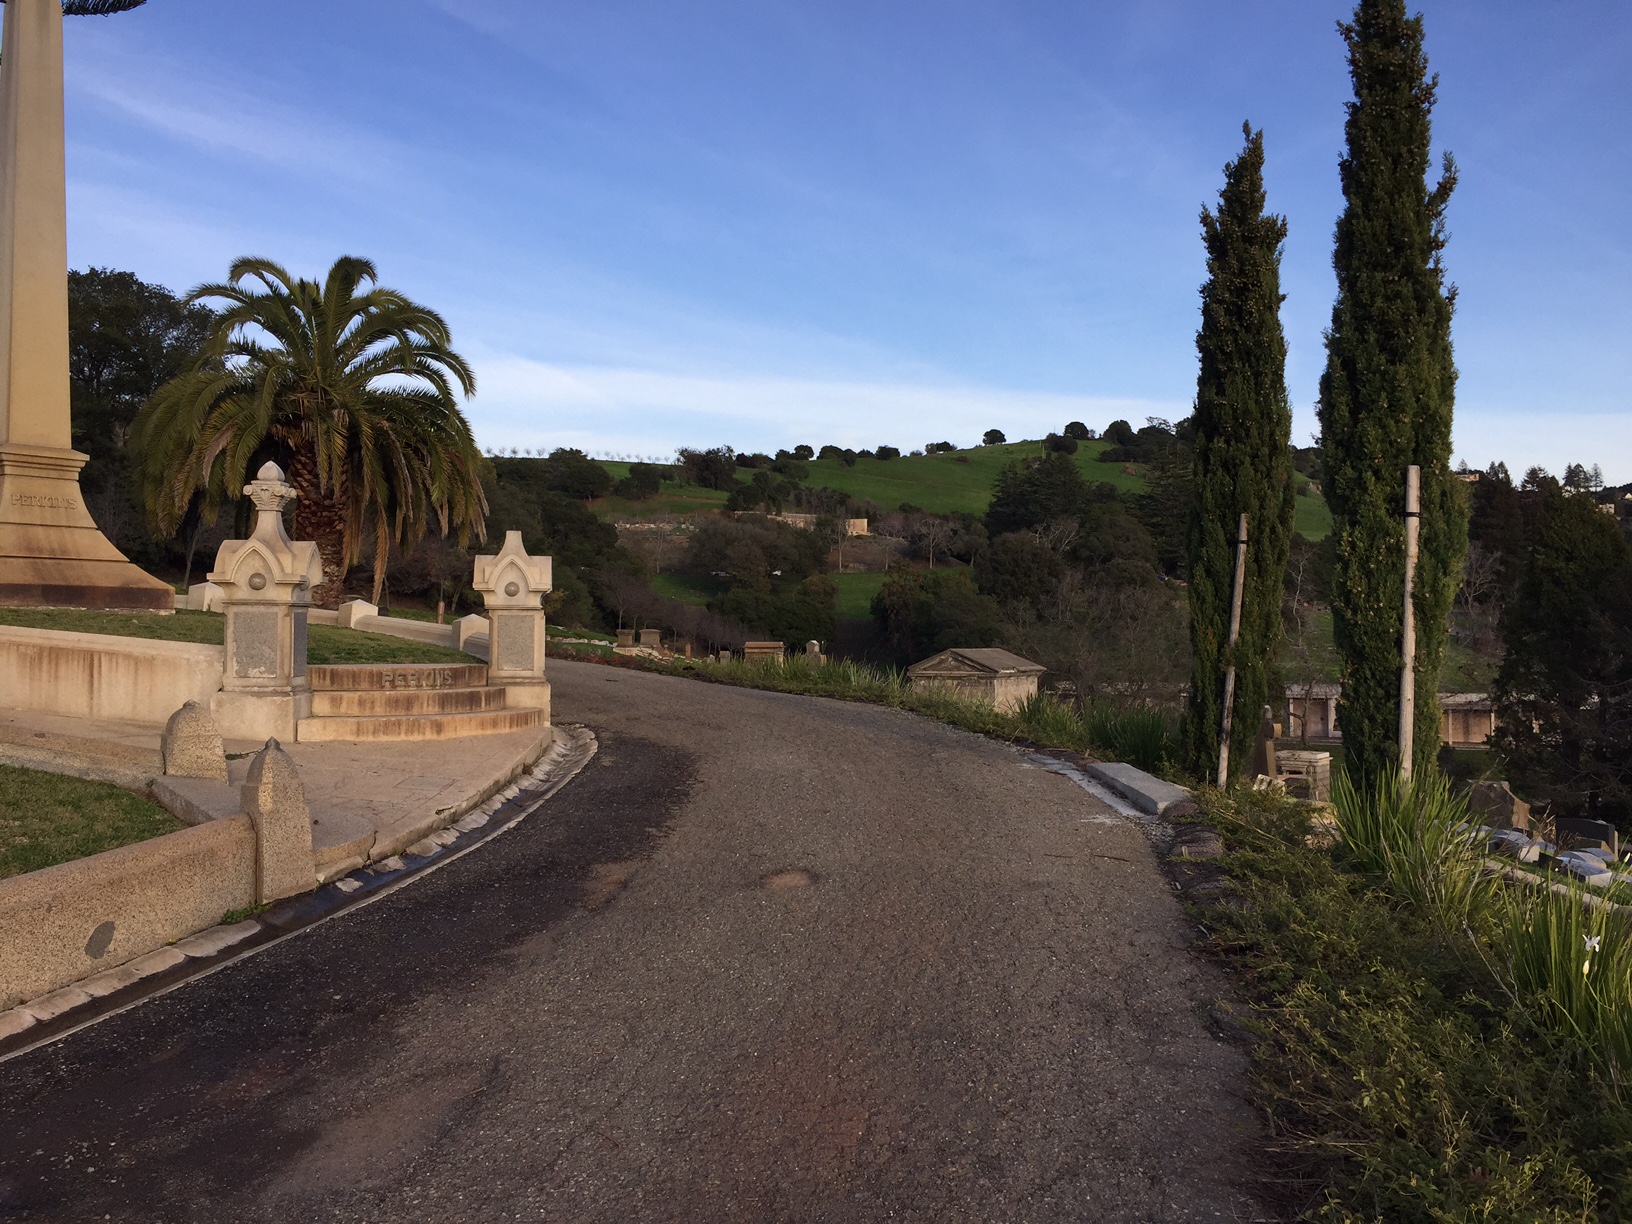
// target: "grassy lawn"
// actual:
[[694, 589], [205, 628], [47, 819], [331, 644], [325, 644], [856, 593]]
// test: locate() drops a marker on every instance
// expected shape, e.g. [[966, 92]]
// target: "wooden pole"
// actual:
[[1235, 636], [1408, 635]]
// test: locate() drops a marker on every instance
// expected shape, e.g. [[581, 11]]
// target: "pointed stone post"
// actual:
[[266, 585], [51, 552], [275, 801], [513, 586]]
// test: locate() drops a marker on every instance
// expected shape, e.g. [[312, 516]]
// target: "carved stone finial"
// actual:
[[270, 493]]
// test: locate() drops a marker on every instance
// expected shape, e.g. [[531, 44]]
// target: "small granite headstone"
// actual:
[[1588, 833], [191, 746], [1495, 804]]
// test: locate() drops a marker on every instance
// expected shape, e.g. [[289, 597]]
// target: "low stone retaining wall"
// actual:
[[96, 675], [63, 923]]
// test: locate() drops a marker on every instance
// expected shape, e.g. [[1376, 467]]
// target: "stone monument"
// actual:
[[513, 586], [266, 584], [51, 552], [191, 746]]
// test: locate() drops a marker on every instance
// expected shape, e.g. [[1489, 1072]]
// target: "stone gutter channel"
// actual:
[[54, 1016]]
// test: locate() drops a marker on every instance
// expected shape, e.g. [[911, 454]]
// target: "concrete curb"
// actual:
[[1146, 792], [51, 1017]]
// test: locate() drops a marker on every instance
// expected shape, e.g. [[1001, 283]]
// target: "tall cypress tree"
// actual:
[[1387, 393], [1243, 460]]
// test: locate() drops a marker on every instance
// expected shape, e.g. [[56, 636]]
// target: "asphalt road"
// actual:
[[768, 958]]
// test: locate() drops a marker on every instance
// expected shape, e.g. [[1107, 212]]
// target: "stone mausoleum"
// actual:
[[986, 674]]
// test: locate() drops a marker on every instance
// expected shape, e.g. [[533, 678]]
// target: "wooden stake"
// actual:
[[1408, 635], [1235, 636]]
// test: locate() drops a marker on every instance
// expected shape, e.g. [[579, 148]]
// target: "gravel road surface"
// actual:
[[768, 958]]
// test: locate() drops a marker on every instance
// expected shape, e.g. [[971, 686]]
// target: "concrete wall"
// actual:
[[95, 675], [413, 630], [1004, 693], [120, 904]]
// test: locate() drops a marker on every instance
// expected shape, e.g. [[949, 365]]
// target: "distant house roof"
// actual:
[[983, 661]]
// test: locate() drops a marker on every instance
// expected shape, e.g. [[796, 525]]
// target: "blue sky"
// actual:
[[658, 224]]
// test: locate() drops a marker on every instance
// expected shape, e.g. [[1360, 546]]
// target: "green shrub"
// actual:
[[1399, 1081]]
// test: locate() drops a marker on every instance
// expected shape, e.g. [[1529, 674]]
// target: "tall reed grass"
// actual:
[[1561, 952], [1566, 956], [1416, 834]]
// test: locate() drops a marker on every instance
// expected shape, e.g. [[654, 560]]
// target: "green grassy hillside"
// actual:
[[1312, 518], [961, 480], [941, 484]]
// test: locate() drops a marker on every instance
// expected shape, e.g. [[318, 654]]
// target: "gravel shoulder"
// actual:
[[767, 958]]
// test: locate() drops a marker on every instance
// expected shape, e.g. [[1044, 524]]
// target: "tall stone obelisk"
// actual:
[[51, 552]]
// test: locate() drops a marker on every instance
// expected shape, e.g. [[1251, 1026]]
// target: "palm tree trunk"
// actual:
[[320, 517]]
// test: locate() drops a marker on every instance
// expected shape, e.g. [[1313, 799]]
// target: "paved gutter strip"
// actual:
[[1092, 785], [53, 1016]]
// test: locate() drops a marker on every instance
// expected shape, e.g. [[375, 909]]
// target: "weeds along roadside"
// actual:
[[1140, 735], [1429, 1048]]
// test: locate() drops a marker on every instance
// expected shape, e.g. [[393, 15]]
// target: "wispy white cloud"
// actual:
[[143, 85], [605, 409]]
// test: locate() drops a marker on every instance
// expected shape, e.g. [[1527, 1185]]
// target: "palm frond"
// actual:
[[98, 8]]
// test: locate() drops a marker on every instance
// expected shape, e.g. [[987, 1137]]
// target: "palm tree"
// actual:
[[354, 393]]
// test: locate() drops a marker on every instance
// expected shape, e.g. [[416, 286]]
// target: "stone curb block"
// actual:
[[1149, 794]]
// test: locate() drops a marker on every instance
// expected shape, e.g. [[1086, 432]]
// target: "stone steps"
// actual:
[[408, 701], [418, 726], [395, 677], [374, 703]]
